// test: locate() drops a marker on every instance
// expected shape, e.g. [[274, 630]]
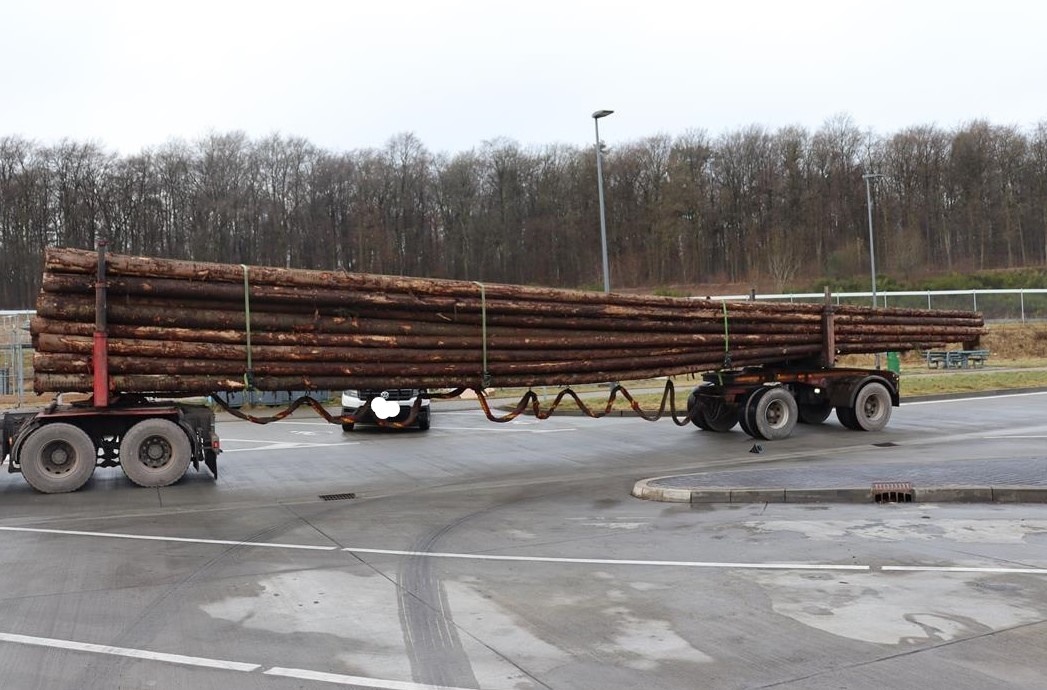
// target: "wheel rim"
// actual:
[[777, 414], [58, 458], [873, 408], [155, 452]]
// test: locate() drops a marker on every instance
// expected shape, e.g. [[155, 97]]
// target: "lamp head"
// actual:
[[601, 113]]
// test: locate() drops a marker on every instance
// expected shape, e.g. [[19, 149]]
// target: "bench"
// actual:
[[956, 359]]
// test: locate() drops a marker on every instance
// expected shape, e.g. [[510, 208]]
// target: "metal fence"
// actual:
[[16, 356], [1019, 304]]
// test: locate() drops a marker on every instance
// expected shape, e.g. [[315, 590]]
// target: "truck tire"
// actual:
[[694, 410], [747, 417], [846, 416], [773, 414], [348, 426], [58, 458], [424, 419], [714, 414], [814, 413], [872, 407], [155, 452], [719, 416]]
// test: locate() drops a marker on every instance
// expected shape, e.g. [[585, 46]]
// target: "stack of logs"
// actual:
[[181, 327]]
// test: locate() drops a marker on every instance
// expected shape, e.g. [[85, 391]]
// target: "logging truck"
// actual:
[[766, 367]]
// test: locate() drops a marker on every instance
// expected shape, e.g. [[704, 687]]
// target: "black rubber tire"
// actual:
[[713, 413], [774, 414], [847, 418], [872, 407], [58, 458], [814, 413], [719, 416], [348, 426], [424, 419], [694, 409], [155, 452], [746, 418]]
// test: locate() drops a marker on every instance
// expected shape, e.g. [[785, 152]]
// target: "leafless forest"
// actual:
[[770, 208]]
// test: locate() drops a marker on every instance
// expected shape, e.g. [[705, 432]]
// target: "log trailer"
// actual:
[[58, 448]]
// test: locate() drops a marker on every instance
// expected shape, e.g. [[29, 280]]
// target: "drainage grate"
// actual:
[[337, 497], [892, 492], [886, 444]]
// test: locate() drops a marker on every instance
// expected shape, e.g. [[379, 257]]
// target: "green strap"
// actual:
[[726, 338], [249, 374], [726, 332], [486, 381]]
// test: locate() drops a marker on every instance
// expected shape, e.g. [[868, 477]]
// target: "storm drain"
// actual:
[[892, 492], [337, 497], [886, 444]]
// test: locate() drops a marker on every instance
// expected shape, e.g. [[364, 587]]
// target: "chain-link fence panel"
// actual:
[[16, 357]]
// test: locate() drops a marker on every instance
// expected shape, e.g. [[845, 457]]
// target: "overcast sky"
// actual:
[[349, 75]]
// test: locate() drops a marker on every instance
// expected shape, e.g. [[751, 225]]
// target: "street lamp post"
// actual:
[[872, 244], [599, 185]]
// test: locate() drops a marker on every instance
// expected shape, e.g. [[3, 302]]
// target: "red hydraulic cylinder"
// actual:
[[100, 366], [100, 350]]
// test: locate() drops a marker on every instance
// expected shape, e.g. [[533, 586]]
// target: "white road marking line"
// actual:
[[303, 674], [434, 554], [184, 540], [975, 397], [288, 445], [962, 569], [244, 440], [540, 559], [220, 664], [500, 430], [258, 441], [609, 561], [322, 422], [1002, 435], [127, 652]]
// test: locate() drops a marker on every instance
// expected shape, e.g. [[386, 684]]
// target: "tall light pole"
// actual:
[[872, 244], [599, 185]]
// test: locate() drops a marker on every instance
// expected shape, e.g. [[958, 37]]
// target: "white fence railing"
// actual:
[[1018, 304]]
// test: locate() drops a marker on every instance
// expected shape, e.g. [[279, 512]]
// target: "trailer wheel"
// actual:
[[155, 452], [747, 417], [872, 407], [847, 417], [694, 409], [348, 426], [713, 413], [719, 416], [57, 458], [773, 414], [814, 413]]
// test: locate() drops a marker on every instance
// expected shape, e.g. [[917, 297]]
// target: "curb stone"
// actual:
[[932, 494]]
